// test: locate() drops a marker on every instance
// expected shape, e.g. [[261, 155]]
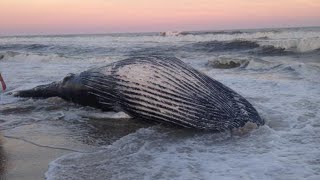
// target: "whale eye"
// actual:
[[67, 78]]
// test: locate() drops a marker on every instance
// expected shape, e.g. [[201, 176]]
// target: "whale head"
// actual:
[[67, 89]]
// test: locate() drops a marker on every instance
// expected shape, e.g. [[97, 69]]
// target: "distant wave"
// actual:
[[246, 63], [227, 63], [317, 51], [15, 56], [159, 50], [213, 32], [8, 54], [184, 33], [253, 33], [300, 45], [23, 46], [280, 51], [297, 69], [171, 33], [222, 44], [299, 41], [62, 50], [220, 47], [212, 46], [252, 47], [271, 51], [30, 57]]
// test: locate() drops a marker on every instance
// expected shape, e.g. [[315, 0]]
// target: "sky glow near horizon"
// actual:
[[106, 16]]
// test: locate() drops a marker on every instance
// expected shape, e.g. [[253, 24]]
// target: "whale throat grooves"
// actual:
[[165, 89]]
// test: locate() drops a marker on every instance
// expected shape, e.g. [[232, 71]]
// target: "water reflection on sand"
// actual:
[[3, 159]]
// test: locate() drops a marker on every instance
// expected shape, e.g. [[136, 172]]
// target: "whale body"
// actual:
[[162, 89]]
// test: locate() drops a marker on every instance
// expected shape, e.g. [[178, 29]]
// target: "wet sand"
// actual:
[[23, 160], [26, 150]]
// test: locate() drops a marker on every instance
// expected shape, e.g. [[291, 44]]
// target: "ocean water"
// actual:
[[277, 70]]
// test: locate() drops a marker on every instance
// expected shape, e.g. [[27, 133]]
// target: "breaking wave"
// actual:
[[62, 50], [212, 46], [307, 70], [227, 63], [239, 45], [184, 33], [270, 51], [296, 45], [30, 57], [254, 47], [270, 42], [248, 63], [14, 56], [299, 41], [172, 33], [23, 46]]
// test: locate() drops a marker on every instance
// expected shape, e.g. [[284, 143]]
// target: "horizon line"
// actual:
[[141, 32]]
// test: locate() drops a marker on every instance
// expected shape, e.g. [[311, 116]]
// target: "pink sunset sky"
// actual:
[[106, 16]]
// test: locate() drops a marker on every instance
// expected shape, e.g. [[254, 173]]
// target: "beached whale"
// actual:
[[162, 89]]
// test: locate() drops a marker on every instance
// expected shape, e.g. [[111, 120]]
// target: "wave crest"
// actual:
[[212, 46], [30, 57], [172, 33], [227, 63], [23, 46], [297, 45], [270, 51], [248, 63]]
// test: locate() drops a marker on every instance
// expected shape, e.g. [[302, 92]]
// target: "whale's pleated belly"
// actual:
[[167, 90]]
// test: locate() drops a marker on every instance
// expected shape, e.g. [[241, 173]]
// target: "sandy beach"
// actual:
[[27, 150], [23, 160]]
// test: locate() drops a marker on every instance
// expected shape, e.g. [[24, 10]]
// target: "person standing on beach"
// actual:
[[4, 87]]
